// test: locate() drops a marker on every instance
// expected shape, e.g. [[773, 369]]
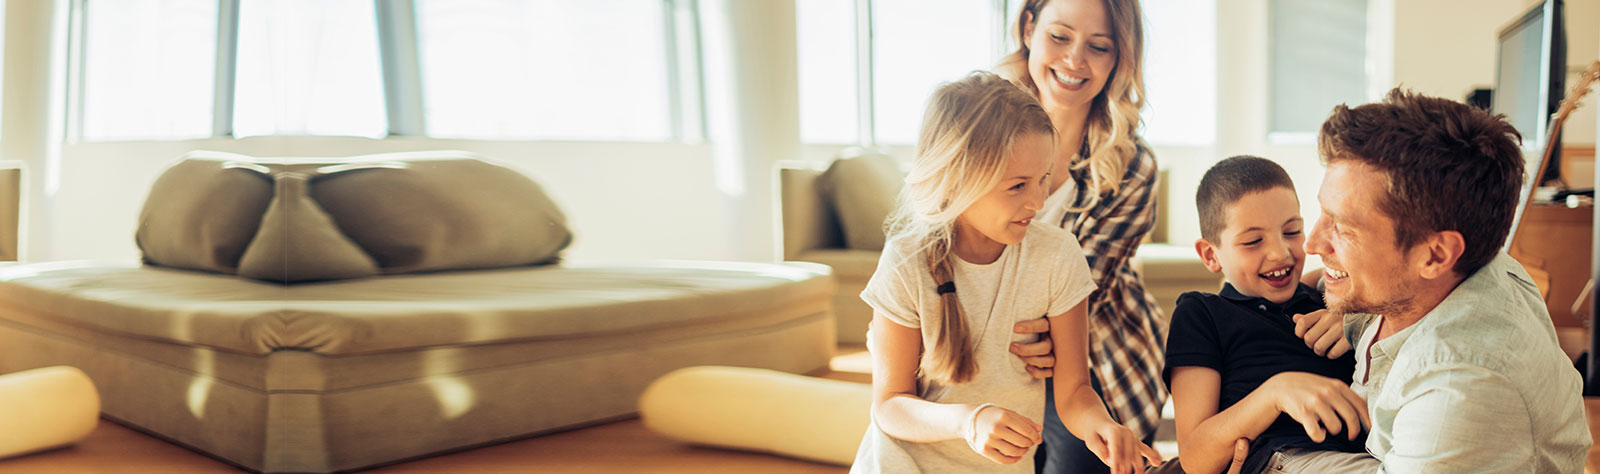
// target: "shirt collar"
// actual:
[[1302, 293]]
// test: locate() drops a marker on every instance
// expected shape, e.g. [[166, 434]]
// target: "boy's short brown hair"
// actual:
[[1450, 167], [1229, 180]]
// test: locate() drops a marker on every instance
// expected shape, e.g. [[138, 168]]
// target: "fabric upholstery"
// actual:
[[863, 189], [202, 212], [298, 242]]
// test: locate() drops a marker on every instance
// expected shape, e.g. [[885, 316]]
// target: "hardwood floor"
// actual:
[[623, 446]]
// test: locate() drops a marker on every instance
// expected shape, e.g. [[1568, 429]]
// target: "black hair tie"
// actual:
[[947, 287]]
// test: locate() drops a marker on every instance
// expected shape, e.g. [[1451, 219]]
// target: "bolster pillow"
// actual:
[[46, 408], [760, 410]]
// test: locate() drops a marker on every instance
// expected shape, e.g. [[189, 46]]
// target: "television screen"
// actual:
[[1529, 74]]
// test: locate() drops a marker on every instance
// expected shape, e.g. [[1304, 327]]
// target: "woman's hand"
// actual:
[[1120, 449], [1038, 356], [1002, 435]]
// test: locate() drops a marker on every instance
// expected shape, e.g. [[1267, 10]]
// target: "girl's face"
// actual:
[[1001, 216], [1071, 54]]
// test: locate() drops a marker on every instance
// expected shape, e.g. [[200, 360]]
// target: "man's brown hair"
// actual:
[[1449, 166]]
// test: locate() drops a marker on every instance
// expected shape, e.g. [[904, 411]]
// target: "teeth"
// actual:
[[1336, 275], [1067, 80], [1277, 274]]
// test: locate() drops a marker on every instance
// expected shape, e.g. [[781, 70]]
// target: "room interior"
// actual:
[[681, 159]]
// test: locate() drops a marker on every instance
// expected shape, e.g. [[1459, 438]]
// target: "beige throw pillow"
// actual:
[[863, 191], [297, 242], [203, 212], [444, 214]]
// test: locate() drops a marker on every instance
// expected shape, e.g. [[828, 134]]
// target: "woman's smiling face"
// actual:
[[1071, 53]]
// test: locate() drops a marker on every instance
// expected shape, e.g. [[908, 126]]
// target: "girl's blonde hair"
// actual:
[[1114, 113], [967, 135]]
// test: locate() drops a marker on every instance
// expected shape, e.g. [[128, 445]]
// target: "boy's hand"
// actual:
[[1116, 446], [1039, 358], [1323, 331], [1322, 405], [1002, 435]]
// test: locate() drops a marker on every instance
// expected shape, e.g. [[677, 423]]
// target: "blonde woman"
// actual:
[[1082, 59], [962, 266]]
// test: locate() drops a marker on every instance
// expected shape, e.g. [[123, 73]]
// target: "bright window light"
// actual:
[[308, 67], [829, 110], [919, 44], [1180, 72], [551, 69], [148, 69]]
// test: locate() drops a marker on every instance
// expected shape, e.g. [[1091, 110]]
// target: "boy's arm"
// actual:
[[1324, 406]]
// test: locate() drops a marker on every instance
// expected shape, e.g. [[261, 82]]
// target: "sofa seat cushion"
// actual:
[[406, 311]]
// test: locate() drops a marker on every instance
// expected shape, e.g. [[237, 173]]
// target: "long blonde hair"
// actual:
[[1114, 114], [967, 135]]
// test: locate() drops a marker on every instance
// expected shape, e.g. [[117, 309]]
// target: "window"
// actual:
[[1180, 72], [1317, 57], [567, 69], [149, 68], [308, 67], [829, 105], [918, 44]]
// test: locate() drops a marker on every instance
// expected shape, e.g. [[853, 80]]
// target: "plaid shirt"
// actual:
[[1125, 325]]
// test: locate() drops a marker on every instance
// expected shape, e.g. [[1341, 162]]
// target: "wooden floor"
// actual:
[[623, 446]]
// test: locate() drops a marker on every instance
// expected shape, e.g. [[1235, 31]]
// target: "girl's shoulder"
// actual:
[[1051, 241]]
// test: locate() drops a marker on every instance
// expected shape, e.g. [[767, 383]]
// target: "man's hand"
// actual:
[[1241, 450], [1322, 405], [1323, 331], [1038, 356]]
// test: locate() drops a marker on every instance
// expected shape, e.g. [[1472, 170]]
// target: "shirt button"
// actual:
[[1263, 307]]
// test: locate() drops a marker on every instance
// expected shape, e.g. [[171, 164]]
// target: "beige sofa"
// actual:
[[812, 233]]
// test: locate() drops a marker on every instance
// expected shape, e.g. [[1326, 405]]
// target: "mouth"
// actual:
[[1024, 222], [1331, 275], [1068, 81], [1279, 277]]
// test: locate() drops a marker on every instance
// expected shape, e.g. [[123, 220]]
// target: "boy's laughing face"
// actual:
[[1261, 249]]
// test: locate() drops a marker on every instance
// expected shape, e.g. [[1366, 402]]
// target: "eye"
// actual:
[[1018, 186], [1100, 49], [1059, 38], [1251, 243], [1292, 233]]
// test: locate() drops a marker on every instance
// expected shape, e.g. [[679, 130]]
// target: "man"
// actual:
[[1456, 355]]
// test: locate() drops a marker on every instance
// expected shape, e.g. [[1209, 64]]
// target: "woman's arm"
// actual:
[[1078, 405], [1002, 435]]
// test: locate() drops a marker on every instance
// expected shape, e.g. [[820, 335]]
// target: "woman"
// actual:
[[1083, 60]]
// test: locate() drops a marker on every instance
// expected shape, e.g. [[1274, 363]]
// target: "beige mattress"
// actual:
[[351, 374]]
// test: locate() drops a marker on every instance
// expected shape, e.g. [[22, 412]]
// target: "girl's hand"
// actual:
[[1120, 449], [1002, 435]]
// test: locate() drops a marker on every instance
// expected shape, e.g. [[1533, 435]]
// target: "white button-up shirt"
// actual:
[[1479, 384]]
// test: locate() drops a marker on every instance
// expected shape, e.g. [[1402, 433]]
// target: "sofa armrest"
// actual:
[[808, 220]]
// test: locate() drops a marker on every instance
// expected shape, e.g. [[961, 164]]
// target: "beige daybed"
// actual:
[[334, 314], [350, 374]]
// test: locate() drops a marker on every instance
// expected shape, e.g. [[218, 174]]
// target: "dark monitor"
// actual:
[[1529, 76]]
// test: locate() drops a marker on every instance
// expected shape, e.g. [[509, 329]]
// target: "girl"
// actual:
[[961, 267], [1083, 60]]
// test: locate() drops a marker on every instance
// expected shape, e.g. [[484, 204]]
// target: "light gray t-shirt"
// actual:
[[1045, 275]]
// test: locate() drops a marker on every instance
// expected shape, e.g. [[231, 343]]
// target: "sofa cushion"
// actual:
[[202, 212], [298, 242], [863, 190], [443, 211]]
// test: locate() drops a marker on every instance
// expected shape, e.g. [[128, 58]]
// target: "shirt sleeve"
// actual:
[[893, 290], [1112, 233], [1073, 282], [1460, 418], [1193, 340]]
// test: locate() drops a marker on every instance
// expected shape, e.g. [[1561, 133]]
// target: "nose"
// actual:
[[1317, 242], [1035, 200], [1073, 55]]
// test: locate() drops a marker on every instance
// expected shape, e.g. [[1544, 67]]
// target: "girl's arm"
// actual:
[[1004, 435], [1080, 407], [1206, 437]]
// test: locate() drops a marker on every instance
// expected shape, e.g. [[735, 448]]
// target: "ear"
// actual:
[[1208, 255], [1027, 26], [1440, 254]]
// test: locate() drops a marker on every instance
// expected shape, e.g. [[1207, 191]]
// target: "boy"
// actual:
[[1235, 367]]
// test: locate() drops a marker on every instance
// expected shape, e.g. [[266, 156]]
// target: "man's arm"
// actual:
[[1460, 419]]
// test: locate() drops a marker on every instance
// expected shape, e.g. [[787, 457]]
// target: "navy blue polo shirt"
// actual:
[[1247, 340]]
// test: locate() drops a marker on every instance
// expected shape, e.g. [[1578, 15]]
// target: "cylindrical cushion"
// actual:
[[46, 408], [760, 410]]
